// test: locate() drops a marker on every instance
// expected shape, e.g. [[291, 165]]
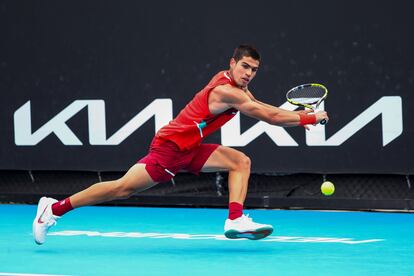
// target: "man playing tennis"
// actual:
[[178, 147]]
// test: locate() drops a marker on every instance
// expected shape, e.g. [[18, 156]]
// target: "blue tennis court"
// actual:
[[181, 241]]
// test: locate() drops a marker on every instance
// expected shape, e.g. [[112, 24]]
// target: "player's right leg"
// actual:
[[237, 164], [49, 210]]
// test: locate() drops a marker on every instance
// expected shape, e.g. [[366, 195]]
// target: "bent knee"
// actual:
[[243, 162]]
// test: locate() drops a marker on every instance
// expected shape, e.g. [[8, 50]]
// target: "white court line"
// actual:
[[25, 274], [184, 236]]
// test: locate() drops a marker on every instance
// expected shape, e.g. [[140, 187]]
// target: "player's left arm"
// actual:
[[248, 93], [306, 111]]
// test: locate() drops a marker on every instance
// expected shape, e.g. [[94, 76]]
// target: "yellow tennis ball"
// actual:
[[327, 188]]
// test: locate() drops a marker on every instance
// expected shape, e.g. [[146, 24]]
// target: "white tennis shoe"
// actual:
[[244, 227], [44, 219]]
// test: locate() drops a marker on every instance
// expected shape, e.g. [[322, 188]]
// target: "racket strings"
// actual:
[[307, 94]]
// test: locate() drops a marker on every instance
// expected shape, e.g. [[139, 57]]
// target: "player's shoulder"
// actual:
[[228, 93], [226, 89], [222, 77]]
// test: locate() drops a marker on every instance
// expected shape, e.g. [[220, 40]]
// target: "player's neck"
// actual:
[[230, 74]]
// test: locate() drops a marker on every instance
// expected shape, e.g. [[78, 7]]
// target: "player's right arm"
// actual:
[[226, 96]]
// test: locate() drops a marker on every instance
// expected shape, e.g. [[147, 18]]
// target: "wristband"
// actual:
[[306, 119]]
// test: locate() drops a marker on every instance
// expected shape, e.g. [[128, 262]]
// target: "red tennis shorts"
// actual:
[[165, 159]]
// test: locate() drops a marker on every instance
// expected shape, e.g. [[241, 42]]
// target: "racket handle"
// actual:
[[323, 122]]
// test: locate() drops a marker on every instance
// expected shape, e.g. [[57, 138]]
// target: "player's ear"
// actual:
[[232, 63]]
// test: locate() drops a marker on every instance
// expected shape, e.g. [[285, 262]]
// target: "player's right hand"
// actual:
[[321, 115]]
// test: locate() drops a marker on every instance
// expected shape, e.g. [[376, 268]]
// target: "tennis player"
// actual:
[[178, 147]]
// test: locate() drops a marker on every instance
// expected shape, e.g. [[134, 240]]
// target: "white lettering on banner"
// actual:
[[389, 107], [161, 109], [186, 236]]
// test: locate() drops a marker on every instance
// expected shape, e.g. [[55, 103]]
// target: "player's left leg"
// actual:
[[135, 180], [238, 165]]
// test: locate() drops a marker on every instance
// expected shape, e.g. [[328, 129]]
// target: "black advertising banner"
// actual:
[[84, 85]]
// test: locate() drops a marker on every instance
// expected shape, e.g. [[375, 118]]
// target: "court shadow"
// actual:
[[162, 248]]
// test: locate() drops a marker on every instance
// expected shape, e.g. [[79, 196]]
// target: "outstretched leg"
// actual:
[[49, 210], [135, 180]]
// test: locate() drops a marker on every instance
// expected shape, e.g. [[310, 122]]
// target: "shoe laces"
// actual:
[[247, 218]]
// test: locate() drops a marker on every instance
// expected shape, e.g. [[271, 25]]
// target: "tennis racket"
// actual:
[[308, 95]]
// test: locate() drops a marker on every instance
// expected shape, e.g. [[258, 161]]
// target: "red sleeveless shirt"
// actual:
[[194, 122]]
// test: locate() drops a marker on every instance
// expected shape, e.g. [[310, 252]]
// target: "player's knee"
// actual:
[[243, 163]]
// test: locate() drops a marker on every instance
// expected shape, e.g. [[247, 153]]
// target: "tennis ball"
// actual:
[[327, 188]]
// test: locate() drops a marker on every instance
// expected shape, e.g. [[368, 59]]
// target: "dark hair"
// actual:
[[245, 51]]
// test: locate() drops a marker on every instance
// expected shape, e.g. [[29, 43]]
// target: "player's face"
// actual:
[[244, 70]]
